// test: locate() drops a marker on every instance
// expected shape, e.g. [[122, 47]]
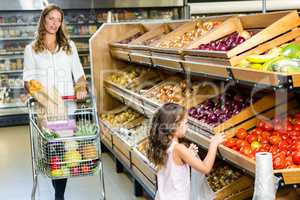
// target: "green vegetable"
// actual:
[[86, 129], [283, 64], [50, 134], [291, 51]]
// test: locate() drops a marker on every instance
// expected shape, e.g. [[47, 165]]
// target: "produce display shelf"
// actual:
[[136, 174], [218, 71]]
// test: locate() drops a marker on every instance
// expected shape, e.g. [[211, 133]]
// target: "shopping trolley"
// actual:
[[59, 157]]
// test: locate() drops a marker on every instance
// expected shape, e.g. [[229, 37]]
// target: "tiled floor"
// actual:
[[16, 175]]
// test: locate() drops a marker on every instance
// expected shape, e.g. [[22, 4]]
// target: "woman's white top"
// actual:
[[58, 69], [173, 180]]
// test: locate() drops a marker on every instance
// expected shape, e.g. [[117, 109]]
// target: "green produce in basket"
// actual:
[[72, 158], [86, 129], [50, 134], [291, 51]]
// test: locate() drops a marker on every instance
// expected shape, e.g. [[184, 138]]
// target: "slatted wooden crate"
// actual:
[[290, 176]]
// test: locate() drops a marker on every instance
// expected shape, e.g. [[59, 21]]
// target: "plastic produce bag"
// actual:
[[200, 190]]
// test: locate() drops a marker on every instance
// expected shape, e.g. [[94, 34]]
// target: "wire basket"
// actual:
[[60, 156]]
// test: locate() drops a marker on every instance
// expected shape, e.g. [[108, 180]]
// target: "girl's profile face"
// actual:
[[53, 21], [182, 127]]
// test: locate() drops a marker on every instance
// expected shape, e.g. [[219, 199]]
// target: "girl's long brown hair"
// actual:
[[61, 36], [164, 123]]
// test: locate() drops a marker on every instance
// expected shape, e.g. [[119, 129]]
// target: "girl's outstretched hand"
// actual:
[[217, 139], [193, 149]]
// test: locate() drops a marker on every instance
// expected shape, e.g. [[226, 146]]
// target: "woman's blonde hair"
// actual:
[[61, 36]]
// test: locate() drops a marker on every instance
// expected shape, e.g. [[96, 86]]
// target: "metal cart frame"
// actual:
[[37, 140]]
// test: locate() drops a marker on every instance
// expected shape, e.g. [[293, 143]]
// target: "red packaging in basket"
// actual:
[[64, 128]]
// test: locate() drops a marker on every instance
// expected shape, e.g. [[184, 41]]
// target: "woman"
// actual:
[[53, 60]]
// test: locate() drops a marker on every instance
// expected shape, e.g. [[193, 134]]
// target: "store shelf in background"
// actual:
[[10, 71], [20, 53], [12, 105]]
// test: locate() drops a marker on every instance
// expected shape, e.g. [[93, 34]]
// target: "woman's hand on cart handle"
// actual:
[[81, 88]]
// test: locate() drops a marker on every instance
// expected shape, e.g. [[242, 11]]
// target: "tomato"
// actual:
[[260, 124], [241, 133], [54, 160], [277, 127], [297, 121], [236, 148], [264, 141], [241, 143], [284, 136], [251, 138], [296, 157], [258, 131], [297, 127], [268, 126], [283, 145], [293, 133], [266, 134], [266, 147], [295, 146], [274, 150], [246, 150], [288, 161], [278, 162], [231, 142], [289, 127], [275, 139]]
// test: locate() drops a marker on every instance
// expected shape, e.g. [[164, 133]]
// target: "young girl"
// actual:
[[172, 158]]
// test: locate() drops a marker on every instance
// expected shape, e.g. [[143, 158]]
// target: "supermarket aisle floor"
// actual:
[[16, 178]]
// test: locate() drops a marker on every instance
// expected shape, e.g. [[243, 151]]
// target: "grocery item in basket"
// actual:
[[86, 129], [72, 158], [89, 151], [71, 145], [222, 176], [64, 128]]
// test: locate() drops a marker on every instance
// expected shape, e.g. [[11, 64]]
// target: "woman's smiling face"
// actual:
[[53, 21]]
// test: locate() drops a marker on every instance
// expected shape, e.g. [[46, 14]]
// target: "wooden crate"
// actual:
[[121, 51], [231, 25], [264, 103], [144, 179], [122, 146], [244, 194], [243, 183], [265, 77], [139, 161], [122, 157], [290, 176], [206, 67], [272, 24]]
